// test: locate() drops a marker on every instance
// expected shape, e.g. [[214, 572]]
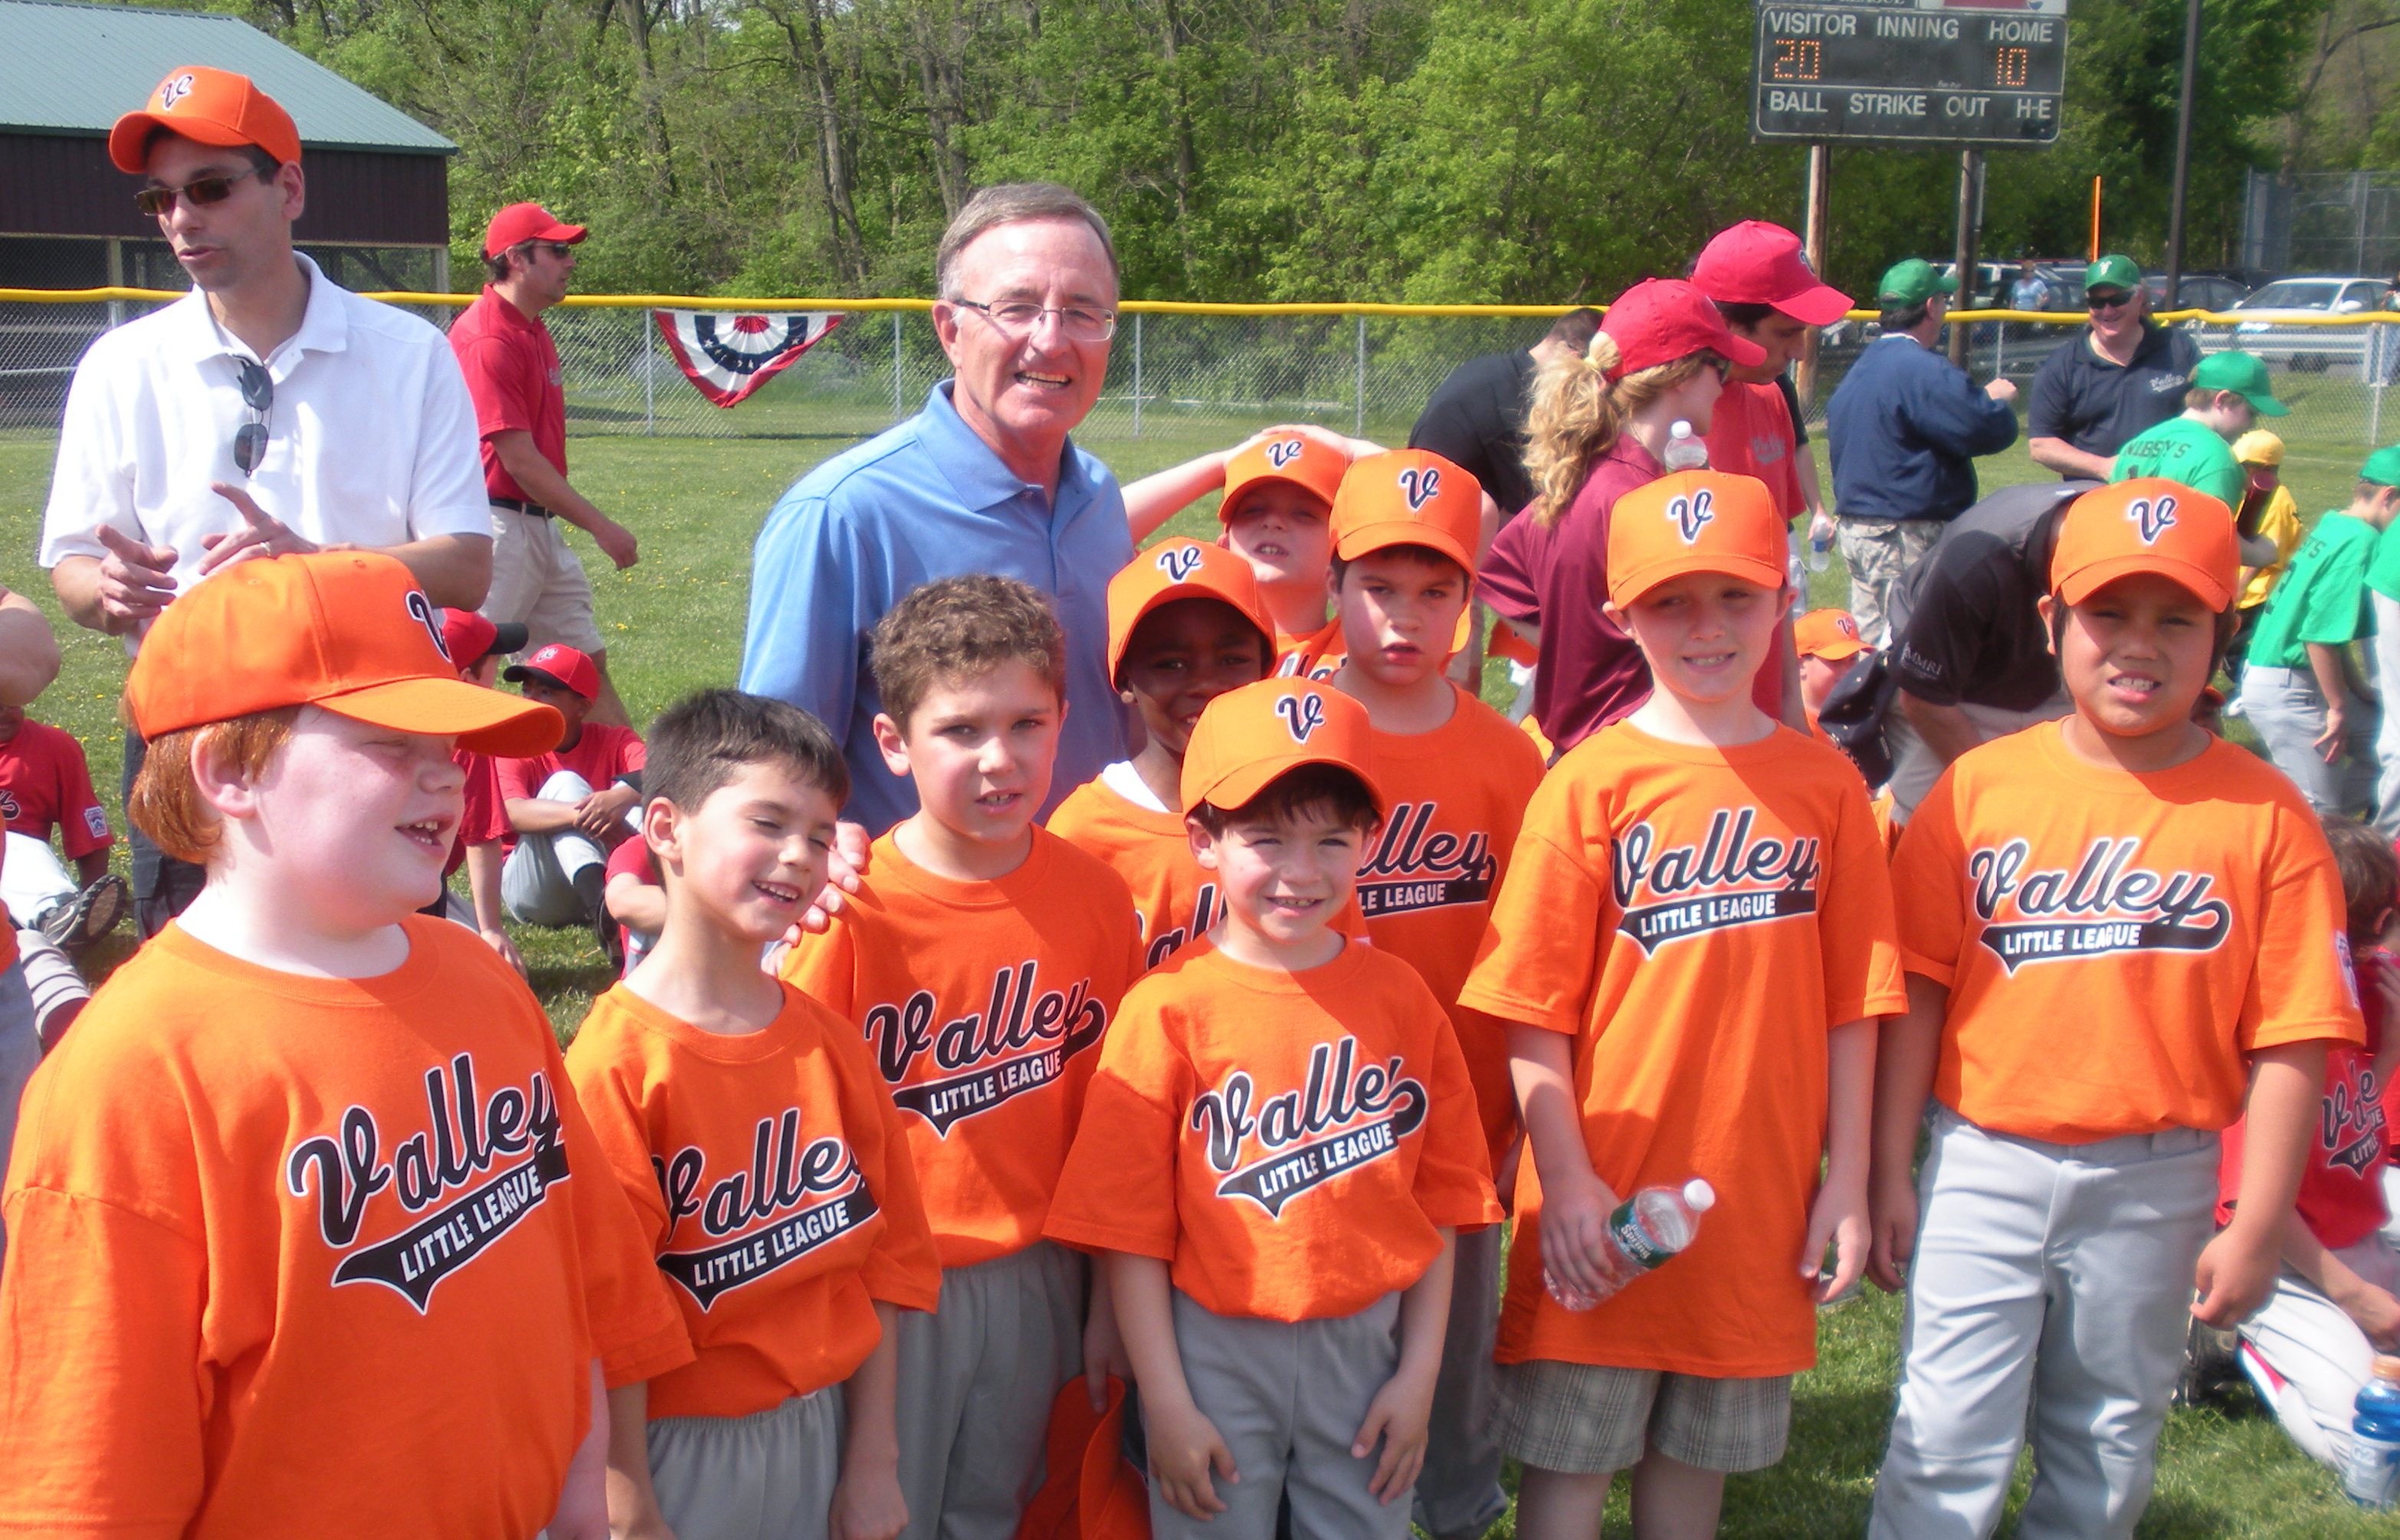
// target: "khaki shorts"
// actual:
[[768, 1476], [536, 580], [1591, 1419]]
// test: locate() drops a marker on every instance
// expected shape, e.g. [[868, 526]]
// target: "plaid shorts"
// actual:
[[1591, 1419]]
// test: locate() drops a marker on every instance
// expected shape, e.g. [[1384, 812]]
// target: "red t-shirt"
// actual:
[[43, 780], [1749, 434], [511, 369], [484, 820], [2341, 1191], [601, 754], [632, 858], [1590, 673]]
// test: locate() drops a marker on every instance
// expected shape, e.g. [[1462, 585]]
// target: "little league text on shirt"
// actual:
[[707, 1274], [1338, 1092], [986, 1050]]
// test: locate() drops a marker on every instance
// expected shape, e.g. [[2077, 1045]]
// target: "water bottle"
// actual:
[[1821, 548], [2371, 1476], [1644, 1233], [1684, 450]]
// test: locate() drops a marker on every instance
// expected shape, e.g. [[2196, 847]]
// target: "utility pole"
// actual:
[[2182, 151]]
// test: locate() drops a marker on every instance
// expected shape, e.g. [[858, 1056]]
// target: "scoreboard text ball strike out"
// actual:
[[1955, 71]]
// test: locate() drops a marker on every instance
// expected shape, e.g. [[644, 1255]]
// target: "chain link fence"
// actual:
[[1205, 379]]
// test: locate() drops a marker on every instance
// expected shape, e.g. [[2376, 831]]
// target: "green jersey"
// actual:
[[2184, 450]]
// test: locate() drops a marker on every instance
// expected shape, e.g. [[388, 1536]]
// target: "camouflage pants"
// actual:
[[1877, 551]]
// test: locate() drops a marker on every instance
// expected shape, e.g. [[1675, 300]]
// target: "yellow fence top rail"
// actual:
[[1167, 308]]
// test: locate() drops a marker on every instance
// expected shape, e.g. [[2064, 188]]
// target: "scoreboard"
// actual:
[[1953, 71]]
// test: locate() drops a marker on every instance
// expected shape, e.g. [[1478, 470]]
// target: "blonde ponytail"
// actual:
[[1577, 414]]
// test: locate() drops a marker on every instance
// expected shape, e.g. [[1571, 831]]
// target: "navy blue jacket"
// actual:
[[1906, 426]]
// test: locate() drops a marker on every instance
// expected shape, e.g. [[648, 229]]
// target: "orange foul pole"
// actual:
[[2095, 219]]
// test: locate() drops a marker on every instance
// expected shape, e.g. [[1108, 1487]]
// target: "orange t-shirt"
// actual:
[[1290, 1142], [1317, 656], [982, 1003], [1699, 918], [771, 1173], [1457, 796], [296, 1256], [1173, 898], [2113, 943]]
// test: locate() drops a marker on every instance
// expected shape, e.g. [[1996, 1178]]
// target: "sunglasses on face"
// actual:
[[555, 248], [258, 394], [158, 202], [2106, 302]]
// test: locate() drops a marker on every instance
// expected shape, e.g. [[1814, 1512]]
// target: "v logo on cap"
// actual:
[[421, 611], [1282, 452], [1179, 562], [173, 91], [1419, 486], [1692, 514], [2152, 517], [1301, 714]]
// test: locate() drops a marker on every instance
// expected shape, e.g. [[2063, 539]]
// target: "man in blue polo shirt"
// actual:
[[985, 478]]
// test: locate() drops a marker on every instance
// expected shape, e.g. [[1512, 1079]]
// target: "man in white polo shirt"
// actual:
[[269, 412]]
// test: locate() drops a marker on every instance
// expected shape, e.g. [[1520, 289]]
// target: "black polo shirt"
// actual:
[[1476, 420], [1964, 615], [2099, 407]]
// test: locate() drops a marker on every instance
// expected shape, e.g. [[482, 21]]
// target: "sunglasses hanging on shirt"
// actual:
[[258, 395]]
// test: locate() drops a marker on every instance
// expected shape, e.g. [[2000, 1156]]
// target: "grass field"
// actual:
[[675, 623]]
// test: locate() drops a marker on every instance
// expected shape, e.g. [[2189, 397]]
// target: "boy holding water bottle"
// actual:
[[1692, 945]]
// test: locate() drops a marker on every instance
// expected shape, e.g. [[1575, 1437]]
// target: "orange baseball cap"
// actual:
[[209, 106], [1695, 520], [1407, 497], [2147, 524], [1182, 570], [1827, 634], [1293, 457], [349, 631], [1247, 737]]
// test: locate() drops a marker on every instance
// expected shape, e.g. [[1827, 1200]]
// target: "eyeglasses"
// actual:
[[258, 394], [2106, 302], [158, 202], [1019, 317], [555, 248]]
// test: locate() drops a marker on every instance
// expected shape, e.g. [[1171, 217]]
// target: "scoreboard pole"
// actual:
[[1970, 219], [1812, 245]]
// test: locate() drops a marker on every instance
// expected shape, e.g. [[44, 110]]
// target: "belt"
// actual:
[[520, 505]]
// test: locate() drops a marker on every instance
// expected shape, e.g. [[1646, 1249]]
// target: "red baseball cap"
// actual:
[[468, 638], [2144, 524], [348, 630], [1661, 320], [522, 222], [208, 107], [559, 665], [1757, 263]]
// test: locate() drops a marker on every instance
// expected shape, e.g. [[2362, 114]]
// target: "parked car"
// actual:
[[2267, 314], [2198, 291]]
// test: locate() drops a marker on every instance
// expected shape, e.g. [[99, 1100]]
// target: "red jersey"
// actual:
[[44, 781], [601, 754], [484, 819], [513, 374], [2341, 1191]]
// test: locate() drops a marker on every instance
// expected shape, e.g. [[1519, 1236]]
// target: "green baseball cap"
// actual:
[[2382, 468], [1914, 283], [2114, 271], [2245, 376]]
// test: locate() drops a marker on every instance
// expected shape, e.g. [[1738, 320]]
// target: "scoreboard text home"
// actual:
[[1951, 71]]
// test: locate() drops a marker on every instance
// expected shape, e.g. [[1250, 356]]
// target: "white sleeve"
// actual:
[[92, 482], [446, 495]]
